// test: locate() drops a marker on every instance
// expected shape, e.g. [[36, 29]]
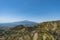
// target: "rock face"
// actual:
[[43, 31]]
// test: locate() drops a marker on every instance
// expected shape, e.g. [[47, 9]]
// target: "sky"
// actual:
[[33, 10]]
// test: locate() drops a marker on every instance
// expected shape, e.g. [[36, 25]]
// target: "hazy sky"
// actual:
[[33, 10]]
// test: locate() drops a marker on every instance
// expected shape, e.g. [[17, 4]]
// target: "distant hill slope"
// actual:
[[25, 23]]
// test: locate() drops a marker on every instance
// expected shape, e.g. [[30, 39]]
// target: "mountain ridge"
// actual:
[[25, 22], [44, 31]]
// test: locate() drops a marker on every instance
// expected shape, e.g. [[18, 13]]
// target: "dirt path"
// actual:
[[35, 36]]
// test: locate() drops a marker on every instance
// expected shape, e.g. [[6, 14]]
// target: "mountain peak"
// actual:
[[25, 22]]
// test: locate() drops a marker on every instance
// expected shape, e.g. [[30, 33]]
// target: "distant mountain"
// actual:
[[25, 23]]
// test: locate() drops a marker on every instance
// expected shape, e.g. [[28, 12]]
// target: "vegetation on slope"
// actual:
[[43, 31]]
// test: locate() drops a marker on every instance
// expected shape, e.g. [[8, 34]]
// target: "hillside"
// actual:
[[43, 31]]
